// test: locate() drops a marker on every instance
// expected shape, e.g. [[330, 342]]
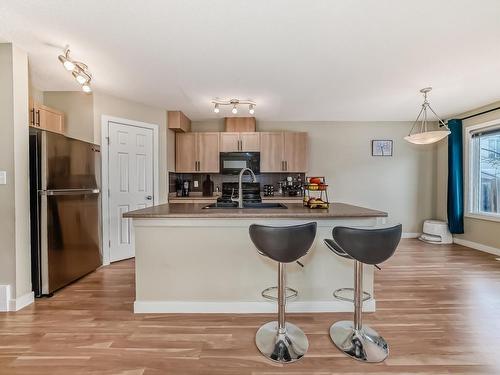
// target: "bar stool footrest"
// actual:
[[271, 293], [350, 291]]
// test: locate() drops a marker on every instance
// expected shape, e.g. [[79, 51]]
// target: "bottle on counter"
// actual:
[[208, 187]]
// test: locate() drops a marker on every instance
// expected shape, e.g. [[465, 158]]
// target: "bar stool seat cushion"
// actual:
[[283, 244], [369, 246]]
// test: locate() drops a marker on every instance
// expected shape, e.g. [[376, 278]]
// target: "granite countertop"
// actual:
[[294, 210]]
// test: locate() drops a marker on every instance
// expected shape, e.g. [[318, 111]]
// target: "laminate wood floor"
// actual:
[[437, 306]]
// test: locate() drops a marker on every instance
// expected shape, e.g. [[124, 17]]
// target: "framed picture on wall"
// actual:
[[382, 147]]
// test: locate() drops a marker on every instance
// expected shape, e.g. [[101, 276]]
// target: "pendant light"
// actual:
[[423, 133]]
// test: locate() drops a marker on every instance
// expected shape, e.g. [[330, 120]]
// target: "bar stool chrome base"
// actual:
[[285, 347], [364, 344]]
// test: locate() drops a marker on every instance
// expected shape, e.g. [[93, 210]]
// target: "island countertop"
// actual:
[[293, 210]]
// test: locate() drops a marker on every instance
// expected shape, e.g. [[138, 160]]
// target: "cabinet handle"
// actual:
[[282, 165], [286, 165], [32, 116], [37, 118]]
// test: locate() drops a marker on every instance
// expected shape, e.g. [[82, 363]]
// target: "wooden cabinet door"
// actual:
[[185, 152], [271, 152], [229, 142], [295, 152], [208, 152], [50, 119], [250, 142]]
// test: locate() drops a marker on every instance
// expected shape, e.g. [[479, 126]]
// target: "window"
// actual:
[[485, 171]]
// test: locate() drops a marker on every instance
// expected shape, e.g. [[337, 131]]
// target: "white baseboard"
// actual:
[[22, 301], [477, 246], [185, 307], [411, 235], [4, 297]]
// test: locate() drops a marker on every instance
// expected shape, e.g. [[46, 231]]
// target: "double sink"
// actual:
[[231, 205]]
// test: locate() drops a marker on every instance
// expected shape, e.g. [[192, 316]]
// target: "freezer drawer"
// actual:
[[70, 249]]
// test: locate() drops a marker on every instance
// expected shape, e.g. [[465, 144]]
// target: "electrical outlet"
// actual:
[[3, 178]]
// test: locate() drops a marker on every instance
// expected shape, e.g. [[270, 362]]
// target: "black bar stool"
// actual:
[[364, 246], [279, 340]]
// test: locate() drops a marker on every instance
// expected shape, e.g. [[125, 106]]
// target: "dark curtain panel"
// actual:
[[455, 178]]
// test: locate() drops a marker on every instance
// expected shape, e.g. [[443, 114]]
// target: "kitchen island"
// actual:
[[190, 259]]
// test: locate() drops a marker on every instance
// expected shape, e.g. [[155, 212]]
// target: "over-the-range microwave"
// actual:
[[233, 162]]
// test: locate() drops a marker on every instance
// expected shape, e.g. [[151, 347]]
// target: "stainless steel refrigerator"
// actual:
[[65, 210]]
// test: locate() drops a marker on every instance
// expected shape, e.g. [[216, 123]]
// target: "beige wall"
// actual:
[[402, 185], [113, 106], [480, 231], [78, 111], [14, 196]]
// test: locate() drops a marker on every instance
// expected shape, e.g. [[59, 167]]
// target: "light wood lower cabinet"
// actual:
[[239, 142], [284, 152], [46, 118], [197, 152]]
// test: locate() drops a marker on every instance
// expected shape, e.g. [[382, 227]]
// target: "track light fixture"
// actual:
[[234, 103], [79, 70], [423, 133]]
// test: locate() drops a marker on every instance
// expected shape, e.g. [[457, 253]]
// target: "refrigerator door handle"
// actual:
[[69, 191]]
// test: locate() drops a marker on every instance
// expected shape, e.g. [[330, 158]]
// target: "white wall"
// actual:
[[402, 185], [15, 260]]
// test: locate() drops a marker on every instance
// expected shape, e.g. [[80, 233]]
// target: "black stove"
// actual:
[[251, 192]]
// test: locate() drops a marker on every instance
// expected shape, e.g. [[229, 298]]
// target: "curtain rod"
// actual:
[[476, 114], [480, 113]]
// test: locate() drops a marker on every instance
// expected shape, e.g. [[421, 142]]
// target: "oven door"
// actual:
[[233, 162]]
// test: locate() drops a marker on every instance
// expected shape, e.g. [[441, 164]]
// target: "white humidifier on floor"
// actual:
[[437, 232]]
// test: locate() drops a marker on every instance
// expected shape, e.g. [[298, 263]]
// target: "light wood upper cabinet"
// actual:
[[295, 152], [283, 152], [178, 121], [240, 124], [185, 152], [197, 152], [43, 117], [229, 142], [271, 152], [239, 142], [208, 152], [250, 142]]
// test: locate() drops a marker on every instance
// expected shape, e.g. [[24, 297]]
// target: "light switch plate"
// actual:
[[3, 178], [195, 183]]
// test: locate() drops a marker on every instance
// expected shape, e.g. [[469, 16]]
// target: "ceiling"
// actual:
[[320, 60]]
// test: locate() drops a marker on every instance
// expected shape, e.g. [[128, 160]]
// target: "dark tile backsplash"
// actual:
[[218, 179]]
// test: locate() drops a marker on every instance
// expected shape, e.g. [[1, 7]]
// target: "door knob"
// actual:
[[149, 197]]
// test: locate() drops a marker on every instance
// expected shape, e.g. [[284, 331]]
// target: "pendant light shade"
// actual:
[[421, 132]]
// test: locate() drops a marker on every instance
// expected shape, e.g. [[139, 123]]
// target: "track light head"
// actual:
[[251, 109], [234, 110], [86, 88], [216, 108]]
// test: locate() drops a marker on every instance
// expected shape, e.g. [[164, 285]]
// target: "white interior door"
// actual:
[[130, 182]]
